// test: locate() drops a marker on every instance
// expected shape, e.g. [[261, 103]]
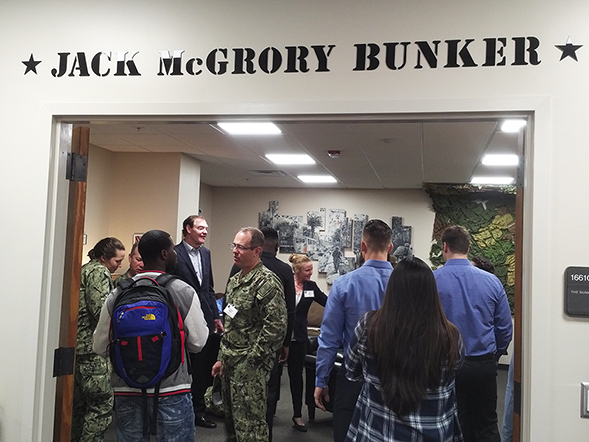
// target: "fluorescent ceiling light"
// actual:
[[316, 178], [250, 128], [512, 126], [290, 159], [500, 160], [499, 180]]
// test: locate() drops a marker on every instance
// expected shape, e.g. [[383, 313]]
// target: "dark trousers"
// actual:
[[476, 397], [273, 395], [202, 364], [346, 395], [296, 363]]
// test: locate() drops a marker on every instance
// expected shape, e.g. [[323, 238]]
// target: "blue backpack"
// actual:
[[147, 337]]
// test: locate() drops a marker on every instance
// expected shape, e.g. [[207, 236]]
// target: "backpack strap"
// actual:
[[165, 278], [156, 396], [126, 283], [146, 426]]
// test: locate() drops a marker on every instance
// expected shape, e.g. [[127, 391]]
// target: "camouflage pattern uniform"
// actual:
[[248, 349], [122, 278], [93, 396]]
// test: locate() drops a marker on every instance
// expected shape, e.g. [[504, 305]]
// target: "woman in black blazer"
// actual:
[[306, 292]]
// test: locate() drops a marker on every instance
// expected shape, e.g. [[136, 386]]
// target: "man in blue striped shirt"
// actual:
[[475, 301]]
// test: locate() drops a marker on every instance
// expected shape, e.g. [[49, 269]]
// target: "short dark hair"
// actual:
[[270, 233], [457, 238], [152, 243], [483, 263], [189, 222], [377, 235], [107, 248], [257, 239]]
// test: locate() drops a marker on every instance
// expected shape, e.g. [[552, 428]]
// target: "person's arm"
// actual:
[[503, 324], [290, 298], [357, 351], [270, 301], [331, 336], [98, 285], [213, 300], [101, 336], [330, 339], [319, 296], [195, 325]]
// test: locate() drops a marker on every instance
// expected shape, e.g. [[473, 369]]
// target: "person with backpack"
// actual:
[[149, 396]]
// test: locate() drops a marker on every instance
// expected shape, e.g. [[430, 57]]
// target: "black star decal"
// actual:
[[31, 65], [568, 50]]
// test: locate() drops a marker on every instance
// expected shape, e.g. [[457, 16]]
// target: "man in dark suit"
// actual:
[[194, 267], [284, 273]]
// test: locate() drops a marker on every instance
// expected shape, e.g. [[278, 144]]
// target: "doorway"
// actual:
[[145, 129]]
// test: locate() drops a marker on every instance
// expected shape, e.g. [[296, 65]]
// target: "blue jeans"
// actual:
[[507, 435], [175, 418]]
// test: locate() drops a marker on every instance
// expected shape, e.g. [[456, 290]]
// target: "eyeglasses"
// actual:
[[240, 248]]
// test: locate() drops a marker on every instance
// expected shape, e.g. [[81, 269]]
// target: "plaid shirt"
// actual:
[[436, 418]]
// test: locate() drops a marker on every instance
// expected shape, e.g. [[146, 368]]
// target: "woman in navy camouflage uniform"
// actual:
[[407, 352], [93, 397]]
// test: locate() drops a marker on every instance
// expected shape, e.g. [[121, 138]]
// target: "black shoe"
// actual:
[[204, 422], [298, 427]]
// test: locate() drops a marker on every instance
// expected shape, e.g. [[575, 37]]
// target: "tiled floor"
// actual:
[[318, 431]]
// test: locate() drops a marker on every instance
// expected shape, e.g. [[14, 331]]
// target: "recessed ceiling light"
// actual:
[[290, 159], [250, 128], [500, 160], [512, 126], [498, 180], [317, 178]]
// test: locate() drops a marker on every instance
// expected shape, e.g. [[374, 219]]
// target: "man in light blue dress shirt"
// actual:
[[350, 296], [474, 300]]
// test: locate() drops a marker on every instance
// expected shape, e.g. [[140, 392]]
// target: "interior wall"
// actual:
[[188, 192], [99, 192], [206, 201], [145, 195], [239, 207], [227, 209]]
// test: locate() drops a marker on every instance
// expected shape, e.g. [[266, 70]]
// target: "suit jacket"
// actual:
[[284, 273], [206, 292], [302, 310]]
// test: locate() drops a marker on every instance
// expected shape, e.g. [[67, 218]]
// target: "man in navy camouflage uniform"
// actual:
[[255, 327], [93, 396]]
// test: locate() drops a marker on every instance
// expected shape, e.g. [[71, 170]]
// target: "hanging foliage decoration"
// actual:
[[488, 214]]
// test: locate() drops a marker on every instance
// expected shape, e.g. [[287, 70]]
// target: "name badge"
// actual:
[[230, 310], [309, 294]]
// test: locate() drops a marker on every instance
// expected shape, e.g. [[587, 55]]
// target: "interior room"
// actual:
[[381, 166]]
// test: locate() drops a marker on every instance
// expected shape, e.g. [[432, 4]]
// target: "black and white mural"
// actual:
[[325, 235]]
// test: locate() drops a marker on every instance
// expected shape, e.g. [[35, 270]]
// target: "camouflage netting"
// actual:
[[488, 214]]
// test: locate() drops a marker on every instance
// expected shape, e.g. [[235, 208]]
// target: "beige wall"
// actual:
[[132, 193], [99, 192], [238, 207], [228, 208], [188, 192]]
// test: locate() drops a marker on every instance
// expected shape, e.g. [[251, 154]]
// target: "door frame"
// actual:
[[56, 233]]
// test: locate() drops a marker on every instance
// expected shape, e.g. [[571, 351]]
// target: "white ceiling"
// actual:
[[375, 154]]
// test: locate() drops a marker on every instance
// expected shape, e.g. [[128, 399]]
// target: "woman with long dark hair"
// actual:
[[407, 352]]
